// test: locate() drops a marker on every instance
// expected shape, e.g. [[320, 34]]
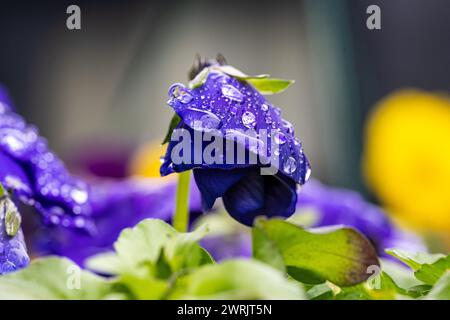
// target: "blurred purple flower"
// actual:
[[38, 178], [226, 108], [331, 206], [335, 206], [36, 175], [226, 246], [116, 205]]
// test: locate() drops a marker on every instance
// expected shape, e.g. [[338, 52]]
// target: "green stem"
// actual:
[[181, 216], [2, 191]]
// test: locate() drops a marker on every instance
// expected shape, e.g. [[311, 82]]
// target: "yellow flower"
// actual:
[[407, 158], [145, 162]]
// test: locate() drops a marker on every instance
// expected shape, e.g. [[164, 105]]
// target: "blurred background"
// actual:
[[105, 86]]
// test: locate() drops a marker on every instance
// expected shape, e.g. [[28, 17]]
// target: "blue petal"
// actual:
[[37, 176], [227, 107], [259, 195], [213, 183]]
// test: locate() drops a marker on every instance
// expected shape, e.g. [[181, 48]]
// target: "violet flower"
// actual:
[[36, 175], [231, 111], [116, 205]]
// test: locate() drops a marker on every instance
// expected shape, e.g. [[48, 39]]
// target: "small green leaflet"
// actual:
[[151, 244], [199, 79], [414, 260], [270, 85], [428, 268], [2, 191], [307, 256]]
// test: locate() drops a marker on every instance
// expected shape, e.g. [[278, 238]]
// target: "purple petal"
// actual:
[[227, 107], [116, 205], [37, 176], [257, 195]]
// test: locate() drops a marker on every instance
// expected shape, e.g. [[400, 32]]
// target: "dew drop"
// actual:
[[276, 151], [201, 119], [79, 196], [280, 138], [232, 93], [264, 107], [180, 93], [290, 165], [248, 119], [307, 174], [288, 126]]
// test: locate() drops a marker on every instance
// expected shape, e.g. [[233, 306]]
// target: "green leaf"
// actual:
[[139, 250], [428, 267], [380, 287], [139, 247], [270, 85], [53, 279], [323, 291], [144, 287], [441, 290], [199, 79], [431, 273], [237, 279], [341, 256], [419, 291], [105, 263], [414, 260], [238, 74], [400, 274], [173, 124]]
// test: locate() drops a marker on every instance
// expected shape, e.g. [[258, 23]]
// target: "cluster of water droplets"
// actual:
[[227, 104], [47, 185]]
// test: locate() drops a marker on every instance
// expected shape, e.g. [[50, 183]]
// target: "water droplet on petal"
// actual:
[[248, 119], [232, 93], [290, 165], [280, 138], [288, 126], [180, 93], [201, 119], [307, 174], [79, 196], [264, 107]]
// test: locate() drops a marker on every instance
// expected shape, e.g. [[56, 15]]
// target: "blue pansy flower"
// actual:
[[13, 251], [36, 176], [226, 111]]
